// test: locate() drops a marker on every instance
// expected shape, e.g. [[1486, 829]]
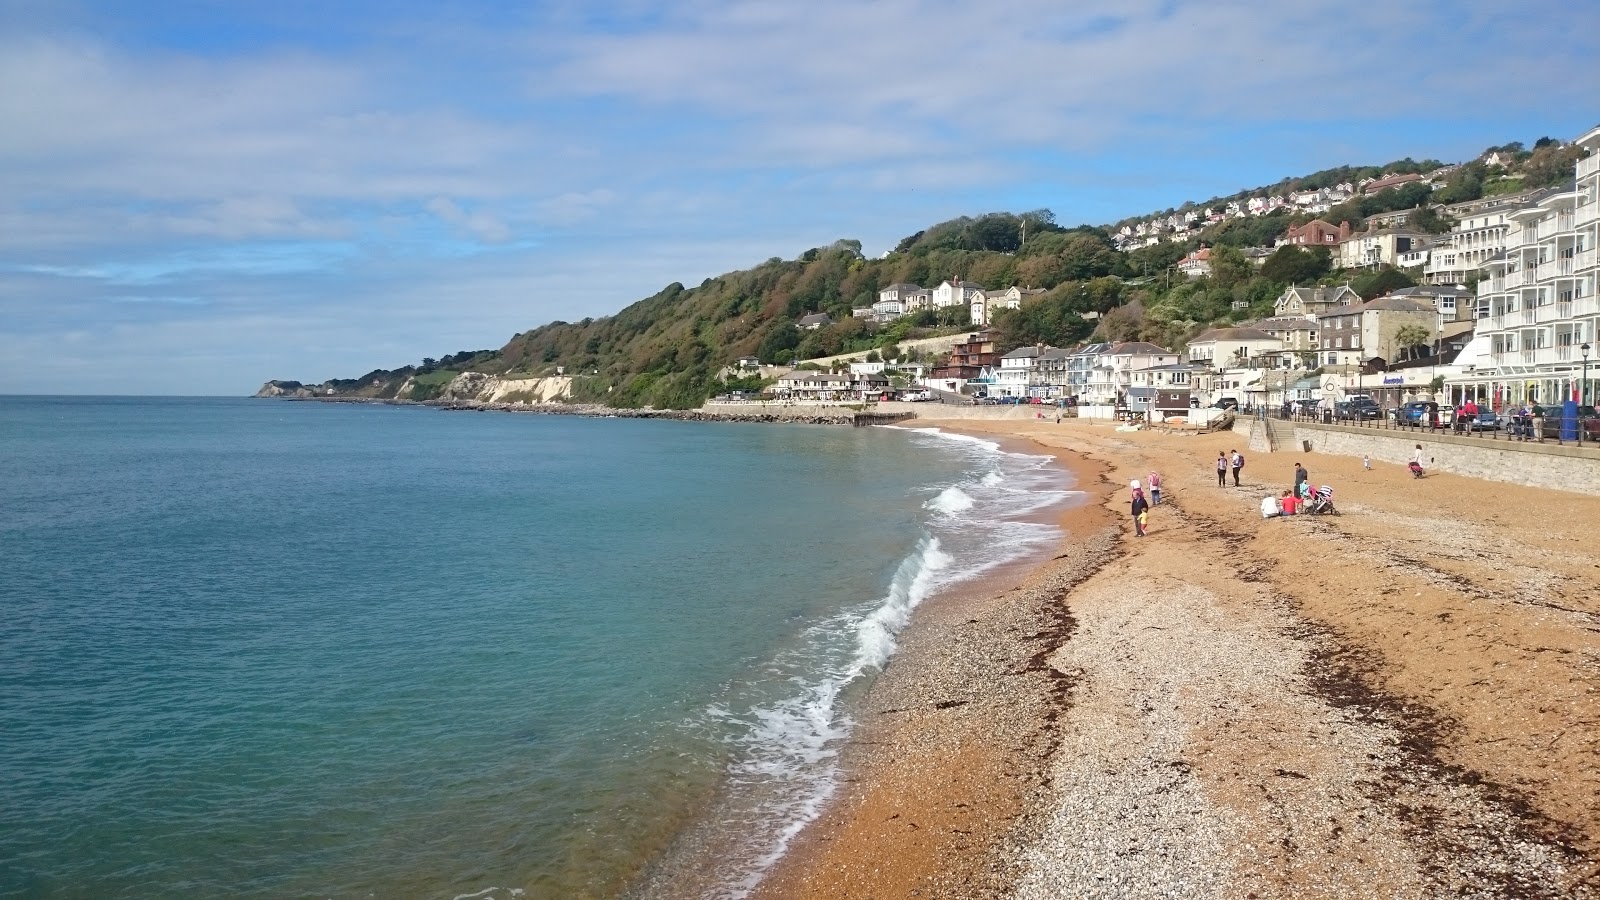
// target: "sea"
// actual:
[[259, 648]]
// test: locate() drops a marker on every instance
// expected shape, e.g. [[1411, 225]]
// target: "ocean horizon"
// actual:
[[261, 648]]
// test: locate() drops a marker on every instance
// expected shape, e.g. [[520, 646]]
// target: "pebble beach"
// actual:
[[1401, 701]]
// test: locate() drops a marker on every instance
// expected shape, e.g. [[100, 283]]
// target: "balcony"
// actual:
[[1585, 214], [1589, 165], [1588, 259]]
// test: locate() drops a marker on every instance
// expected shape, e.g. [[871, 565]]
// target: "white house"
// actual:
[[1235, 348], [1016, 370], [802, 384], [955, 293], [985, 303], [1196, 264]]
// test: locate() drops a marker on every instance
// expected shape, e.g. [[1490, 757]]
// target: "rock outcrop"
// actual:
[[285, 389]]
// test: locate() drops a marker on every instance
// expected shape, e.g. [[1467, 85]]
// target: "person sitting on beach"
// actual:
[[1290, 503], [1270, 508]]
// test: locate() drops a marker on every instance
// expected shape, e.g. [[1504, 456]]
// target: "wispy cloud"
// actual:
[[401, 179]]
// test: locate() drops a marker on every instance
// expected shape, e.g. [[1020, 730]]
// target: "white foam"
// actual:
[[992, 479], [790, 745], [950, 501]]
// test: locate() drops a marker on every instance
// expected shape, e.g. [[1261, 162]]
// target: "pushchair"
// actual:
[[1322, 503], [1416, 469]]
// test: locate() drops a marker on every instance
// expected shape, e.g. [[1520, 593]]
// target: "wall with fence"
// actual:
[[1561, 466]]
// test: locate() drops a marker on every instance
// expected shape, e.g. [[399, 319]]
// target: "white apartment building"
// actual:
[[1537, 304], [1480, 233]]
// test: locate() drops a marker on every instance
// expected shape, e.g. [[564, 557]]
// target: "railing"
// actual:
[[1510, 428], [1588, 259], [1589, 165]]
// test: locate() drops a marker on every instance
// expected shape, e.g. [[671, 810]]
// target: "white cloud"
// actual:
[[480, 224]]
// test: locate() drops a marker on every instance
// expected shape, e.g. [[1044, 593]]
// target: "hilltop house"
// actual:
[[1379, 246], [813, 321], [1196, 264], [1312, 301], [1316, 233], [955, 293], [984, 303]]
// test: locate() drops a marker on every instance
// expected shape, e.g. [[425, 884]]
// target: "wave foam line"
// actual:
[[797, 736]]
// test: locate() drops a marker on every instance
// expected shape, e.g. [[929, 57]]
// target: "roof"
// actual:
[[1055, 353], [1286, 323], [1391, 303], [1233, 334], [1138, 347], [901, 286], [1429, 290], [815, 319], [1022, 353]]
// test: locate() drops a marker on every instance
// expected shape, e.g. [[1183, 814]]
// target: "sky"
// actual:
[[200, 195]]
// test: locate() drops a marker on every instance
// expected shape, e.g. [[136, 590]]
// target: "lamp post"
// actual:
[[1583, 391]]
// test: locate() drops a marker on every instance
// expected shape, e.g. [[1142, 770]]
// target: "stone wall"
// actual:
[[1563, 467]]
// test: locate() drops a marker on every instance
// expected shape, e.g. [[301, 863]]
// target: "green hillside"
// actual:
[[666, 350]]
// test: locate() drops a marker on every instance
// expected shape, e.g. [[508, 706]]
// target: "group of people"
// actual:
[[1298, 500], [1141, 504], [1232, 460]]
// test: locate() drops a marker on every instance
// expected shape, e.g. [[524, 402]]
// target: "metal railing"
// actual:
[[1546, 429]]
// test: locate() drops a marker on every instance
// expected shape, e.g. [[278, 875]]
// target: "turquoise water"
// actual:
[[256, 648]]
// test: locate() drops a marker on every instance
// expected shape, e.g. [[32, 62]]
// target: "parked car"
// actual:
[[1419, 412], [1486, 420], [1226, 403], [1357, 410]]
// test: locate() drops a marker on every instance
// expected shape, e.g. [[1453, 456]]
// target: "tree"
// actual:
[[1430, 220], [1293, 265], [1376, 284], [1408, 338], [1229, 267]]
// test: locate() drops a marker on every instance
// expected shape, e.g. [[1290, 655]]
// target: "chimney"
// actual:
[[1344, 230]]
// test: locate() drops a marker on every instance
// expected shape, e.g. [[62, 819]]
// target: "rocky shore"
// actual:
[[800, 414]]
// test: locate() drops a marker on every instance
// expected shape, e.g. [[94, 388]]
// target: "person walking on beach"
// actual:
[[1154, 481], [1222, 469], [1366, 462], [1139, 508], [1300, 477], [1237, 461]]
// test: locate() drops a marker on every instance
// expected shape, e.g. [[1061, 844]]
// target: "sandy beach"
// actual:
[[1402, 701]]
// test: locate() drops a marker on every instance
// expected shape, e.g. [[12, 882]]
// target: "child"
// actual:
[[1139, 508], [1290, 503], [1366, 462], [1155, 488]]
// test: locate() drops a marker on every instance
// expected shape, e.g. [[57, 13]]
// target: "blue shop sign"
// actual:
[[1394, 379]]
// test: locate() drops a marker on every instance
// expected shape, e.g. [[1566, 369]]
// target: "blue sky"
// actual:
[[199, 196]]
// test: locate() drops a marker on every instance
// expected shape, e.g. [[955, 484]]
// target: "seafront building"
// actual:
[[1537, 303]]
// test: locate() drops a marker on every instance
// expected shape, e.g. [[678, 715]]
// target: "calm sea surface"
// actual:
[[270, 649]]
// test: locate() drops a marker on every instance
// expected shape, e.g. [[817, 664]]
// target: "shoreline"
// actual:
[[927, 797], [1218, 711]]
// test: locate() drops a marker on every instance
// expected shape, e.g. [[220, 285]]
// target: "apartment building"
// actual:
[[1537, 303], [1480, 234]]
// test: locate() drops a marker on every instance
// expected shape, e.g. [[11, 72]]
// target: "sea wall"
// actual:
[[1563, 467]]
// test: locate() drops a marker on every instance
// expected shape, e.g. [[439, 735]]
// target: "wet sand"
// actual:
[[1402, 701]]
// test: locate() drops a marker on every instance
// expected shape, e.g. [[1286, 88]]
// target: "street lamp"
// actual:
[[1583, 392]]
